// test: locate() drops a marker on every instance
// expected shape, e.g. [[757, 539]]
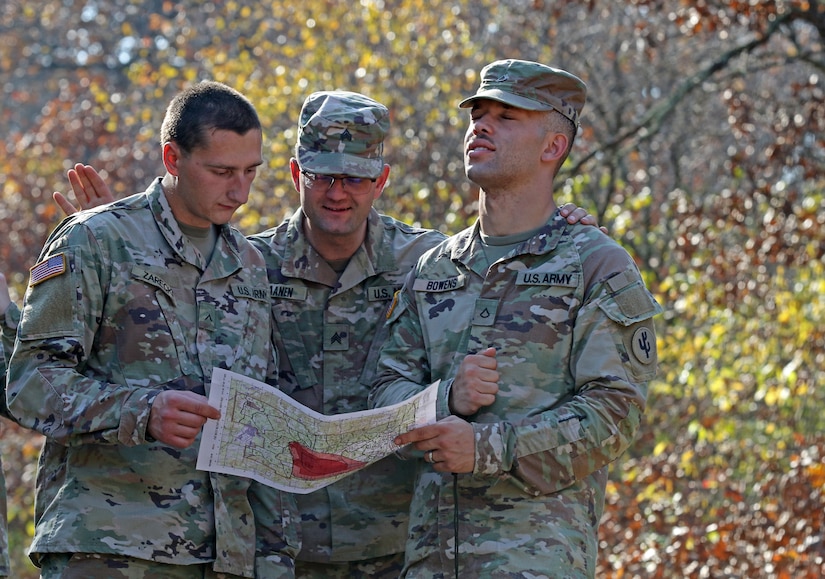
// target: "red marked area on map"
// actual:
[[312, 465]]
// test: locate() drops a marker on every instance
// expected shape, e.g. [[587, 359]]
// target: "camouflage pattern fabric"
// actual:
[[8, 320], [328, 330], [5, 565], [128, 308], [531, 86], [570, 318], [387, 567], [96, 566], [342, 133]]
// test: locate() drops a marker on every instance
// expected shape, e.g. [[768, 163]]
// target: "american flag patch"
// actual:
[[52, 267]]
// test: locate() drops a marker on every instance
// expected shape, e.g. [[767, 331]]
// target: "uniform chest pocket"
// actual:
[[244, 323], [146, 326]]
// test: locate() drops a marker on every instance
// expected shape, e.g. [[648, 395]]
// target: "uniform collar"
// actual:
[[226, 258], [373, 257], [544, 241]]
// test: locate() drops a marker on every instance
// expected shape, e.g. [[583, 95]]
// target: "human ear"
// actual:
[[556, 148]]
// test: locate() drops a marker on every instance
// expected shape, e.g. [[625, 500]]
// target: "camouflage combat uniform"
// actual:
[[132, 308], [570, 318], [328, 330], [4, 539], [8, 321]]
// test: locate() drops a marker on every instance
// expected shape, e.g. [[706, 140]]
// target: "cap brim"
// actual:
[[326, 163], [506, 98]]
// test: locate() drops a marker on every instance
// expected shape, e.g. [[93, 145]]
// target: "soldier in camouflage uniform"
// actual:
[[333, 268], [9, 317], [129, 308], [541, 334]]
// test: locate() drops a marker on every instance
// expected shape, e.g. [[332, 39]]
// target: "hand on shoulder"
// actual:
[[88, 187]]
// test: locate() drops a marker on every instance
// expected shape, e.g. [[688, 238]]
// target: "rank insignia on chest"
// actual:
[[485, 311], [336, 337]]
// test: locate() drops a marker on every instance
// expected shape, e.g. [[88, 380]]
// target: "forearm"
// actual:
[[74, 409], [403, 367], [557, 448], [574, 436]]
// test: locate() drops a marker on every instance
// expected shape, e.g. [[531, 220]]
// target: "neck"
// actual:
[[508, 214], [169, 184], [334, 247]]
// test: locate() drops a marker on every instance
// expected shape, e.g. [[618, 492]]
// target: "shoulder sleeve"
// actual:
[[612, 358], [47, 390]]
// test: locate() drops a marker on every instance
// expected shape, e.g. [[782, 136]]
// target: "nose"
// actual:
[[240, 187], [336, 189], [478, 126]]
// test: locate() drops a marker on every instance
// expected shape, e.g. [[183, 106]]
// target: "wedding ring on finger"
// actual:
[[430, 458]]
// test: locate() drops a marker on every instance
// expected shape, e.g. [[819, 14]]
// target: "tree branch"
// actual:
[[655, 117]]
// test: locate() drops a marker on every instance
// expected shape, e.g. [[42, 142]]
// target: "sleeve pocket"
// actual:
[[50, 306], [630, 302]]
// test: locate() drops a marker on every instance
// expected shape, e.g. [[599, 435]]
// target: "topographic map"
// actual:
[[265, 435]]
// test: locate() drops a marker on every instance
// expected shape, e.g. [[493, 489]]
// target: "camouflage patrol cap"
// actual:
[[342, 133], [531, 86]]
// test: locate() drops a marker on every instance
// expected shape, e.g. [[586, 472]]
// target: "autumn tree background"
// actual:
[[701, 150]]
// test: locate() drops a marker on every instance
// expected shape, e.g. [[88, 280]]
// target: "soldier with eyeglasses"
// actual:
[[340, 262]]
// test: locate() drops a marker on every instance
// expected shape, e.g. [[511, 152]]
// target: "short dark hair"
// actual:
[[203, 107]]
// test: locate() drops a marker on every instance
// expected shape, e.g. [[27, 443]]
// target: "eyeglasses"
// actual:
[[325, 182]]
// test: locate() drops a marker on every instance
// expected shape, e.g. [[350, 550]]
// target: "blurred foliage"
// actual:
[[727, 478], [19, 448], [701, 149]]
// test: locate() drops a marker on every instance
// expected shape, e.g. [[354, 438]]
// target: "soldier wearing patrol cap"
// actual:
[[333, 269], [541, 334]]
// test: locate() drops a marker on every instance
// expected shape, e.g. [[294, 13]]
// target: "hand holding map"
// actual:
[[265, 435]]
